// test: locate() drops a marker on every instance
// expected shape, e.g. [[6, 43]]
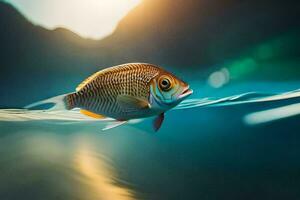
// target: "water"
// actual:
[[236, 145]]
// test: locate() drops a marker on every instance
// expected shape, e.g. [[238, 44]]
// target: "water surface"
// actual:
[[241, 142]]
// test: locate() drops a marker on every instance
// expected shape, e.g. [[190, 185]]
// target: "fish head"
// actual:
[[167, 91]]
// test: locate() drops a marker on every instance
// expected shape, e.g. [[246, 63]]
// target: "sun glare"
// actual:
[[89, 18]]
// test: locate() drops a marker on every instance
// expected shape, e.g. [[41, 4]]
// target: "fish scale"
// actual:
[[124, 92], [99, 92]]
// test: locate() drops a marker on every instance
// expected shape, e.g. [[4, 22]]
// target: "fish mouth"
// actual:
[[187, 92]]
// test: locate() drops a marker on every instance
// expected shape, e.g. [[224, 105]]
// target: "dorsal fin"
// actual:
[[95, 75], [88, 80]]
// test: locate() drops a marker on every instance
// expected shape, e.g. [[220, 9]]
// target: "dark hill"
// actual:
[[37, 63], [193, 34], [183, 35]]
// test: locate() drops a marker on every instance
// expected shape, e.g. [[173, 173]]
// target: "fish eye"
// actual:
[[165, 84]]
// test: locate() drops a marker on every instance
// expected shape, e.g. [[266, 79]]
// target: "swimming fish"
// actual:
[[128, 91]]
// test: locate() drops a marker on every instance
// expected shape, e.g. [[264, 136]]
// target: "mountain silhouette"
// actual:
[[35, 62], [195, 34], [182, 35]]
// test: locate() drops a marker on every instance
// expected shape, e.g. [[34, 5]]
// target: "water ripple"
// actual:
[[74, 116]]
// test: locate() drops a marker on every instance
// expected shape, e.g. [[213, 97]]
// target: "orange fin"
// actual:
[[91, 114]]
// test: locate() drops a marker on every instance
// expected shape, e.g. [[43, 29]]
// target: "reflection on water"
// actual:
[[204, 150], [99, 176], [38, 163]]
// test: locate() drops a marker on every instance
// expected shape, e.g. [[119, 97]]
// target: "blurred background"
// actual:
[[48, 47], [220, 47]]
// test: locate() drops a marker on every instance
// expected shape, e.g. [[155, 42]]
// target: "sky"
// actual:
[[88, 18]]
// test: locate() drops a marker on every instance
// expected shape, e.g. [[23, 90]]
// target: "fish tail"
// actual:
[[61, 102]]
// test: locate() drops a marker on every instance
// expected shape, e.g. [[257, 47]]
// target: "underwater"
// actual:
[[215, 115]]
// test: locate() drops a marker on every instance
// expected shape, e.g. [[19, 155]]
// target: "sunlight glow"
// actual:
[[89, 18], [99, 177]]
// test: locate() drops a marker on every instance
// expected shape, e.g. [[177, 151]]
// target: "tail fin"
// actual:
[[61, 102]]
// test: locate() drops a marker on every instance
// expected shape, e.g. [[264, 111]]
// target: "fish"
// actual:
[[125, 92]]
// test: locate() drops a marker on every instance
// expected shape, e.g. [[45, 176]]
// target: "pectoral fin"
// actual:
[[158, 121], [91, 114], [128, 102]]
